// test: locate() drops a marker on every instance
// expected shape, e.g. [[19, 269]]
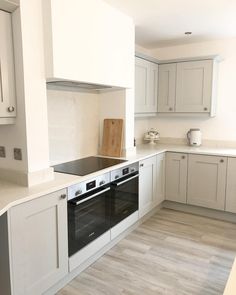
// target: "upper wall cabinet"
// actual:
[[7, 75], [88, 41], [187, 87], [146, 82]]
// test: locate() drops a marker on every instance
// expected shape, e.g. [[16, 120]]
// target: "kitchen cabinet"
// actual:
[[230, 204], [207, 181], [38, 243], [167, 88], [160, 179], [88, 41], [7, 75], [176, 177], [188, 87], [147, 185], [146, 83]]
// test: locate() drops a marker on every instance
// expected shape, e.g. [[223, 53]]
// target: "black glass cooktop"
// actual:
[[86, 165]]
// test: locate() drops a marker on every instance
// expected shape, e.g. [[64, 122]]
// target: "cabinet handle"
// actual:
[[170, 109], [183, 157], [221, 161], [205, 109], [11, 109], [141, 165], [63, 197]]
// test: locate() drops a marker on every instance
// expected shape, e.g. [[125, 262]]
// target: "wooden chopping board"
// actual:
[[112, 140]]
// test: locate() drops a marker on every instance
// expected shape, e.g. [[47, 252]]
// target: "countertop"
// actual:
[[230, 288], [12, 194]]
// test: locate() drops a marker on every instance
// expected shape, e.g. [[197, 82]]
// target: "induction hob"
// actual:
[[86, 166]]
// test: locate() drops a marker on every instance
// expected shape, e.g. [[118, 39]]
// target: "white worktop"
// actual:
[[12, 194]]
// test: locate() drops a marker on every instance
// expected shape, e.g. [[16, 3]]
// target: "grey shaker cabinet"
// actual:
[[176, 177], [207, 181], [146, 83], [7, 72], [230, 204], [38, 243]]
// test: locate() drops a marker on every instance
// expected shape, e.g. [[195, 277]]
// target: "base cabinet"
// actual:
[[176, 177], [230, 204], [207, 181], [38, 243], [147, 185]]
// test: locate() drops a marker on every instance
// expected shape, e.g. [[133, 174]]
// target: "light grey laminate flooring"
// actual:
[[171, 253]]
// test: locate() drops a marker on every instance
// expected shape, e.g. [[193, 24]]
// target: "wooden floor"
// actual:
[[172, 253]]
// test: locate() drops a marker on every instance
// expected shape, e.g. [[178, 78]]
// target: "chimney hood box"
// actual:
[[88, 41]]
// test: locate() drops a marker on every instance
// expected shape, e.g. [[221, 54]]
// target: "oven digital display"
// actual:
[[90, 185], [125, 171]]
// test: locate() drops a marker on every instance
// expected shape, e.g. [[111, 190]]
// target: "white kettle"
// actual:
[[194, 137]]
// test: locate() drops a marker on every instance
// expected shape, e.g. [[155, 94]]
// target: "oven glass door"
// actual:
[[124, 198], [88, 218]]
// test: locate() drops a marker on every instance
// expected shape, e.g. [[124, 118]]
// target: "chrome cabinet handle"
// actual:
[[63, 197], [10, 109]]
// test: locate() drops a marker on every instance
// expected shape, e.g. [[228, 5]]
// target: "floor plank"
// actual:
[[171, 253]]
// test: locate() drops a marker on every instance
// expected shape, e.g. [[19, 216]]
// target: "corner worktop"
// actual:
[[12, 194]]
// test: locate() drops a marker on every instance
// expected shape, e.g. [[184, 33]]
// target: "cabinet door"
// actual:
[[147, 185], [160, 179], [39, 244], [230, 205], [194, 86], [146, 82], [166, 88], [207, 181], [176, 177], [7, 79]]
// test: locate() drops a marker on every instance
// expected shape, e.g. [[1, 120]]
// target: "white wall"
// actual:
[[223, 126], [73, 120]]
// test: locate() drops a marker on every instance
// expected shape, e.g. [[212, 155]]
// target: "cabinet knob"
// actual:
[[10, 109], [183, 157], [221, 161], [170, 109], [205, 109], [63, 197], [141, 165]]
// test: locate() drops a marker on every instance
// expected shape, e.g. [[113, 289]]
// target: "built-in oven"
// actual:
[[89, 211], [124, 192]]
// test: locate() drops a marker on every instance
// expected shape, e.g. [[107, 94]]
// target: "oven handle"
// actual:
[[124, 181], [93, 196]]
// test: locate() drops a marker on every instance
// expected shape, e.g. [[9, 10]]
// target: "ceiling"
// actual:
[[163, 22]]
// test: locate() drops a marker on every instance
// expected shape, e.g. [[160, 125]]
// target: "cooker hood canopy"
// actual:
[[79, 85]]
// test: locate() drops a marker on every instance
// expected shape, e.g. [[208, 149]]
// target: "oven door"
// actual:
[[124, 198], [88, 218]]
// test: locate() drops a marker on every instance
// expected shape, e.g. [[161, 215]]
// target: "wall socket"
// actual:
[[2, 152], [18, 154]]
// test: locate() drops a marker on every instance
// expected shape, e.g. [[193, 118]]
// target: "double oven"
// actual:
[[97, 205]]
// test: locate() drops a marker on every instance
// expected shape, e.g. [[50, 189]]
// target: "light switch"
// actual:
[[18, 154]]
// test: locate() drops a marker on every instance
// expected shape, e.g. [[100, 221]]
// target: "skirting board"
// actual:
[[96, 256], [211, 213]]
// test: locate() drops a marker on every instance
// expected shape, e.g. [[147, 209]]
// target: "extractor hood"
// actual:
[[79, 85]]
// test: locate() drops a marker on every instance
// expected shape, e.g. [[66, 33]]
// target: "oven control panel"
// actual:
[[118, 173], [81, 188]]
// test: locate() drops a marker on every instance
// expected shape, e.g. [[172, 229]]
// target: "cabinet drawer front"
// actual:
[[176, 177], [194, 86], [207, 181], [230, 205]]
